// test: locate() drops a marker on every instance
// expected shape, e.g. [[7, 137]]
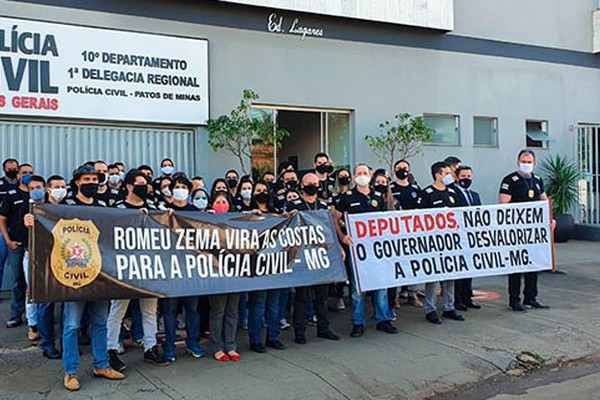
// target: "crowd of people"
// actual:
[[104, 325]]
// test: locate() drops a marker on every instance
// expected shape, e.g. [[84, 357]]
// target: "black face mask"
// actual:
[[402, 174], [465, 183], [324, 169], [12, 174], [291, 185], [232, 183], [344, 180], [381, 188], [262, 197], [89, 189], [310, 190], [141, 191]]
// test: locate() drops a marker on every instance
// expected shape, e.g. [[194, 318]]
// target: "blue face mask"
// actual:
[[200, 202], [37, 194], [26, 178]]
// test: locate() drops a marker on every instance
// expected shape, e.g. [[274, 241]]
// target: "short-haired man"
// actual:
[[323, 168]]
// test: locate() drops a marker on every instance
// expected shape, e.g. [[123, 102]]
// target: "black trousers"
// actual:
[[463, 291], [514, 287], [320, 304]]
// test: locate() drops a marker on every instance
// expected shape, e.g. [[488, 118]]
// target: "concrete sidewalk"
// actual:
[[419, 361]]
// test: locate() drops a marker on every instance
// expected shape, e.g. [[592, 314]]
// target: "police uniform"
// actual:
[[240, 206], [431, 197], [522, 189], [111, 196], [405, 197], [326, 189]]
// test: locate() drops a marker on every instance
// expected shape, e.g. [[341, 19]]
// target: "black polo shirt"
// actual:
[[187, 207], [124, 204], [326, 189], [5, 186], [354, 202], [522, 189], [74, 201], [14, 206], [302, 205], [432, 197], [239, 206], [111, 196], [405, 197]]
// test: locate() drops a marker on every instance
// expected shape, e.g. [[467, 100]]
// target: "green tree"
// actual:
[[238, 132], [400, 140]]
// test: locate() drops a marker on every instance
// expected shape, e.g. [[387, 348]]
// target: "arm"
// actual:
[[337, 217], [505, 198], [4, 228]]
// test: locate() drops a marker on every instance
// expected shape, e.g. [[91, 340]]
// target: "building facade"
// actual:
[[492, 77]]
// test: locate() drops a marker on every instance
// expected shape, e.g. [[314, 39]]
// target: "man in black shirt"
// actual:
[[323, 169], [309, 201], [439, 195], [363, 199], [15, 204], [10, 166], [519, 187]]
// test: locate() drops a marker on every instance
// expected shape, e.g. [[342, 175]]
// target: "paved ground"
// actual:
[[421, 361]]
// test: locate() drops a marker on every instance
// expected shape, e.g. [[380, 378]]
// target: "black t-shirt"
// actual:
[[187, 207], [74, 201], [124, 204], [354, 202], [405, 197], [435, 198], [522, 189], [239, 206], [14, 206], [111, 196], [302, 205], [326, 189], [5, 186]]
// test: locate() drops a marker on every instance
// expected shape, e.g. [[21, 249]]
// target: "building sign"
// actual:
[[52, 70], [278, 24], [434, 14]]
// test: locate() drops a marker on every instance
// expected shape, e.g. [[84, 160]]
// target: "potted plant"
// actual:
[[561, 179]]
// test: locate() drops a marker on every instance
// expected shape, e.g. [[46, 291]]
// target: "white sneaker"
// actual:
[[340, 305], [121, 349], [283, 324]]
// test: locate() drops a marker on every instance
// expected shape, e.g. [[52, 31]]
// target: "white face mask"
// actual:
[[166, 192], [246, 194], [122, 175], [448, 179], [180, 194], [167, 170], [525, 168], [58, 194], [114, 179], [362, 180], [200, 203]]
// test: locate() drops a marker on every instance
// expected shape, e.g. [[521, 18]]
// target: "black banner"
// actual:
[[92, 253]]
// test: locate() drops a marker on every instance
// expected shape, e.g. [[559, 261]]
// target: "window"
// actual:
[[485, 131], [537, 134], [446, 129]]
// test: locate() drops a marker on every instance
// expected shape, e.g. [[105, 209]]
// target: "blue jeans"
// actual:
[[243, 307], [45, 325], [73, 311], [192, 323], [137, 329], [264, 305], [3, 257], [380, 302], [19, 288], [284, 297]]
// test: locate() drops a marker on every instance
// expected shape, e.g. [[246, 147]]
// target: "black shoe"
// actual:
[[153, 356], [387, 327], [115, 362], [472, 305], [258, 347], [452, 314], [534, 304], [300, 339], [460, 307], [14, 322], [433, 318], [518, 307], [52, 354], [357, 331], [276, 344], [328, 335]]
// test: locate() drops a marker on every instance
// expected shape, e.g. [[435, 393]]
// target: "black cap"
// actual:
[[87, 170]]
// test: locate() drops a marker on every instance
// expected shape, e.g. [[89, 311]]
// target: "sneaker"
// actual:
[[115, 362], [518, 307], [138, 343], [169, 355], [196, 352], [153, 356], [33, 333], [121, 349], [71, 382], [340, 305], [386, 327], [311, 321], [243, 325], [14, 322], [534, 304], [107, 373], [284, 325], [357, 331]]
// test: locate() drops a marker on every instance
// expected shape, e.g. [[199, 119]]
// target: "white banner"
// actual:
[[407, 247], [52, 70]]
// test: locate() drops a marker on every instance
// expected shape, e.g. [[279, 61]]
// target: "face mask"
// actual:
[[12, 174], [180, 194], [448, 179], [525, 168], [166, 192], [122, 175], [232, 183], [291, 185], [114, 179], [58, 194], [37, 194], [381, 188], [310, 190], [262, 197], [200, 202], [344, 181], [465, 183], [105, 180], [323, 168], [141, 191], [167, 170], [402, 174], [221, 208], [26, 178], [362, 180], [89, 189], [246, 194]]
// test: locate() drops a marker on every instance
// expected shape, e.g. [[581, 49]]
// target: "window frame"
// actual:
[[456, 129], [495, 125]]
